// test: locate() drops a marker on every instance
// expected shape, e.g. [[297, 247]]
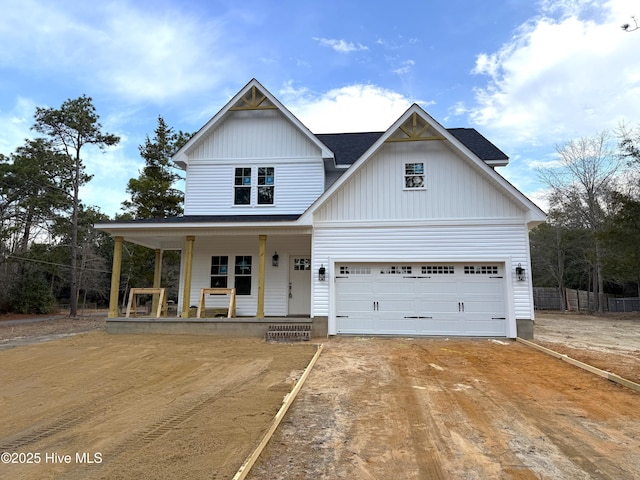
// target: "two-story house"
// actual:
[[410, 231]]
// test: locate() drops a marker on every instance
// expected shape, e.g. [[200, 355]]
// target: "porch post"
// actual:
[[115, 277], [188, 264], [157, 275], [261, 254]]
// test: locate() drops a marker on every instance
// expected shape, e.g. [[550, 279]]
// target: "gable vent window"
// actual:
[[414, 176], [265, 185], [242, 187]]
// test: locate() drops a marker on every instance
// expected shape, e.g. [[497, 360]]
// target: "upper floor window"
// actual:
[[244, 182], [414, 176], [265, 185], [242, 187]]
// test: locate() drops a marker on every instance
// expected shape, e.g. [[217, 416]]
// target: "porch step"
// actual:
[[288, 332]]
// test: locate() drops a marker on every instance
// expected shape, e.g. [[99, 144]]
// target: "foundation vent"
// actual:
[[289, 332]]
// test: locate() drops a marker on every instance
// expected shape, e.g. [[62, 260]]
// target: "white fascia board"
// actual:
[[118, 229]]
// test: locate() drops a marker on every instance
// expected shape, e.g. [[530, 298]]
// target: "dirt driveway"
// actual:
[[456, 409], [372, 408]]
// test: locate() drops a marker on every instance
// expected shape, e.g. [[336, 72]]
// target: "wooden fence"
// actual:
[[545, 298]]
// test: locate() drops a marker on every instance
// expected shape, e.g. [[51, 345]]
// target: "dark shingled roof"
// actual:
[[474, 141], [348, 147]]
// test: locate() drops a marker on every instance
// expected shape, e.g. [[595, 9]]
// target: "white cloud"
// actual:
[[548, 84], [354, 108], [341, 46], [15, 125], [406, 67], [134, 52]]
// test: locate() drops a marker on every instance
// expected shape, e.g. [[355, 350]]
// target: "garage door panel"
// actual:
[[386, 325], [421, 299], [485, 327], [439, 326]]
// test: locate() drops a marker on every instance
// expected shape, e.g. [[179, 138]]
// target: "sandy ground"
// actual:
[[144, 407], [372, 408], [610, 342]]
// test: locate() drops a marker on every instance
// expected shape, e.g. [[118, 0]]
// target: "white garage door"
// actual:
[[421, 299]]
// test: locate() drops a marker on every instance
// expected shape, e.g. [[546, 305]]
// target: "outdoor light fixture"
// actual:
[[275, 259], [520, 273], [322, 273]]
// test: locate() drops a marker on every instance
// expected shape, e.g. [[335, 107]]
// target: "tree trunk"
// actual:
[[73, 281]]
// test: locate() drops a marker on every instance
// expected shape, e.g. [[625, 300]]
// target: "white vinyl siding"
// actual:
[[506, 243], [209, 189], [253, 139], [454, 188], [276, 278]]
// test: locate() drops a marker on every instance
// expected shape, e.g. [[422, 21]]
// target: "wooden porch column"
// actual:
[[115, 277], [188, 266], [261, 254], [157, 276]]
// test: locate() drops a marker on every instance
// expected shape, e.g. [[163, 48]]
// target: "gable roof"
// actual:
[[252, 97], [348, 147], [426, 127]]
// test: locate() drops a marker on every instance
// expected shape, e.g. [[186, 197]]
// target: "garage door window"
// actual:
[[480, 269], [396, 270], [359, 270], [438, 270]]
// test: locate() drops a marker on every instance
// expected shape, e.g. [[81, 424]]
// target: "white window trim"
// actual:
[[253, 199], [404, 175]]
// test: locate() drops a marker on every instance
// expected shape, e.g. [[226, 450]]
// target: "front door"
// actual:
[[300, 286]]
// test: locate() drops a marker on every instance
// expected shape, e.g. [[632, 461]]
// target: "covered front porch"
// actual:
[[269, 268]]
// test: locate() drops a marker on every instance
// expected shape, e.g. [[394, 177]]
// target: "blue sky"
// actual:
[[527, 74]]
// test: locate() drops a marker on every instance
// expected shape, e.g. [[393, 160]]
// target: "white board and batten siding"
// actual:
[[462, 217], [253, 139], [454, 189]]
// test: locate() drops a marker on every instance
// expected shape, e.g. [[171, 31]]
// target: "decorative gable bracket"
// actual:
[[414, 129], [253, 100]]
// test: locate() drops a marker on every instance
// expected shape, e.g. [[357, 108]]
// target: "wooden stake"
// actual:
[[288, 400], [585, 366]]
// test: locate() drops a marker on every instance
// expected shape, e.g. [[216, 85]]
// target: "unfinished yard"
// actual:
[[372, 408]]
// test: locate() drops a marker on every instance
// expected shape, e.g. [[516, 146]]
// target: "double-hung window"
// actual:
[[414, 176], [242, 186], [246, 178], [219, 271], [265, 185], [242, 273]]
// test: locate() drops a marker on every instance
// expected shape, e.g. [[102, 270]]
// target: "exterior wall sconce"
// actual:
[[520, 273], [275, 260], [322, 273]]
